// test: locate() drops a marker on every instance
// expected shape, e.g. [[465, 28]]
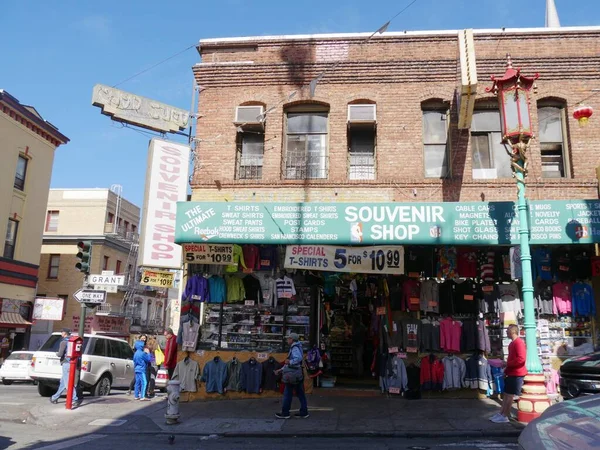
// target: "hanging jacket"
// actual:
[[234, 375], [251, 377], [253, 289], [483, 337], [268, 257], [396, 376], [479, 373], [215, 375], [411, 334], [238, 258], [235, 289], [187, 372], [469, 338], [216, 289], [432, 373], [562, 299], [251, 256], [450, 334], [583, 300], [196, 289], [269, 377], [455, 371]]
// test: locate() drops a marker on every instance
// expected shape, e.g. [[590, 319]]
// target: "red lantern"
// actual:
[[582, 113]]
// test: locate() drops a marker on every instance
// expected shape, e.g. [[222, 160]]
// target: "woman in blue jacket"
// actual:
[[141, 359], [294, 364]]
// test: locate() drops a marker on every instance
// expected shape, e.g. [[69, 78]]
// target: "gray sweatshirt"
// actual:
[[455, 371], [187, 372]]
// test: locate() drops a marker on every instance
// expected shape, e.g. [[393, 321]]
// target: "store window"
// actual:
[[105, 263], [490, 159], [552, 132], [306, 144], [250, 152], [10, 241], [53, 265], [52, 221], [435, 139], [21, 173]]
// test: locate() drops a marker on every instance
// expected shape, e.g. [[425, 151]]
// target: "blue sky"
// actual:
[[55, 51]]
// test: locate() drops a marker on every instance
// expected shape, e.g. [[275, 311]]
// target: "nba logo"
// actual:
[[435, 231], [356, 232]]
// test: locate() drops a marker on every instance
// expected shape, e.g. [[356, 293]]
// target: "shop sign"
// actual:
[[105, 324], [87, 326], [157, 278], [381, 259], [475, 223], [9, 305], [48, 308], [208, 254]]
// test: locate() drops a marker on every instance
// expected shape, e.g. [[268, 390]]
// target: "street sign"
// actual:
[[90, 296], [110, 288], [111, 280]]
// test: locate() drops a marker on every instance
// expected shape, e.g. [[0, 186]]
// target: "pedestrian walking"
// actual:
[[293, 378], [141, 359], [144, 339], [152, 369], [170, 352], [514, 373], [65, 362]]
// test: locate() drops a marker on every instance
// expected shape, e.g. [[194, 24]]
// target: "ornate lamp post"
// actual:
[[513, 91]]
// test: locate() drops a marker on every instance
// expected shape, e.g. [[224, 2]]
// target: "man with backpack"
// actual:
[[293, 378]]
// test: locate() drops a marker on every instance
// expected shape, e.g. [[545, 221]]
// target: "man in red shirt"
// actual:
[[170, 352], [514, 373]]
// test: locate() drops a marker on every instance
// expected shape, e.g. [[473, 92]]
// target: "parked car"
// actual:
[[570, 425], [580, 375], [16, 367], [162, 379], [106, 362]]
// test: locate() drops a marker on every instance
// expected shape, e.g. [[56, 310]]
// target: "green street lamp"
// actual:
[[513, 90]]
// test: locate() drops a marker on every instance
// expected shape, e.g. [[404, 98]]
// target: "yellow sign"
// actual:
[[157, 278]]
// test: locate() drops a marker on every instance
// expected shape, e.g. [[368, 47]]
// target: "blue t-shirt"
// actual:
[[542, 263]]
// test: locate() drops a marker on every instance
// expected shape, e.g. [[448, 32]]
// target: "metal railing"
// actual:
[[361, 166], [305, 167]]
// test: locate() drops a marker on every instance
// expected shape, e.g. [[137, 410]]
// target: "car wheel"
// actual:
[[102, 387], [45, 391], [7, 382]]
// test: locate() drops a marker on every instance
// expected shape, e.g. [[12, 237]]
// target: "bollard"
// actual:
[[172, 414]]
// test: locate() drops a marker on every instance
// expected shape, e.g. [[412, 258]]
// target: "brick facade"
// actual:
[[397, 72]]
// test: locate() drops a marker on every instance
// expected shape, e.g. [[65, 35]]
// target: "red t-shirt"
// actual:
[[467, 262], [517, 354]]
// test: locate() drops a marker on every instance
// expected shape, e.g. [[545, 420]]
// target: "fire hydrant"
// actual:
[[172, 414]]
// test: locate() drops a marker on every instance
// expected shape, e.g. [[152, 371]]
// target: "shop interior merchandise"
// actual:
[[439, 326]]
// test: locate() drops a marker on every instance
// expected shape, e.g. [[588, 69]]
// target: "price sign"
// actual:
[[375, 259], [488, 288], [247, 270], [393, 350], [381, 311], [262, 356], [157, 278], [394, 390], [401, 355], [200, 352], [220, 254], [249, 303], [286, 294], [412, 349]]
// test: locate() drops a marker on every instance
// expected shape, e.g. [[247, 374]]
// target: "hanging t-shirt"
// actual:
[[516, 270], [581, 265], [542, 263], [251, 256], [446, 266], [502, 265], [411, 295], [446, 292], [238, 258], [430, 296], [189, 336], [411, 334], [267, 284], [583, 300], [465, 301], [253, 289], [467, 262], [562, 298], [486, 265], [285, 287], [509, 298], [488, 298], [396, 295], [268, 257], [543, 297], [562, 265], [418, 261]]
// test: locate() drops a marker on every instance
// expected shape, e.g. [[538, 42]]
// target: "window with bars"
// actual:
[[552, 132], [306, 145], [10, 242], [250, 151], [361, 152], [52, 221], [435, 146], [53, 265], [21, 173], [489, 157]]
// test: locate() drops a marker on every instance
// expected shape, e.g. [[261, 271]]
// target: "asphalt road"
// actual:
[[16, 433]]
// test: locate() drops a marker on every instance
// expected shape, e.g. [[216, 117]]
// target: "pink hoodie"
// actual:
[[450, 332], [562, 298]]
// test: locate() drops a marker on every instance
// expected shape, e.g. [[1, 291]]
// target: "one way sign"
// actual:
[[90, 296]]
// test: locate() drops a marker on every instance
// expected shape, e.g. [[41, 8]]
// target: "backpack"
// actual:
[[313, 358]]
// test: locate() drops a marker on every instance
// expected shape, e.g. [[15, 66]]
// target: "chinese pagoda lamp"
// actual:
[[583, 113]]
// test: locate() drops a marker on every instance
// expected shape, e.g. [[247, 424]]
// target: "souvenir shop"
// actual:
[[410, 320]]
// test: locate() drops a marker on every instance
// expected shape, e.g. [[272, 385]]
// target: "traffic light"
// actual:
[[85, 256]]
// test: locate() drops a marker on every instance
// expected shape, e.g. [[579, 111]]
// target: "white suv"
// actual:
[[106, 362]]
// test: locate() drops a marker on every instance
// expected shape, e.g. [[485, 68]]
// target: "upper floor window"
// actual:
[[21, 173], [126, 227], [435, 140], [53, 266], [553, 145], [361, 141], [105, 263], [10, 241], [52, 221], [306, 145], [490, 159], [111, 218], [118, 267], [250, 151], [133, 228]]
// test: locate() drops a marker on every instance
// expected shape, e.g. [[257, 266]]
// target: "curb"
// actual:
[[337, 434]]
